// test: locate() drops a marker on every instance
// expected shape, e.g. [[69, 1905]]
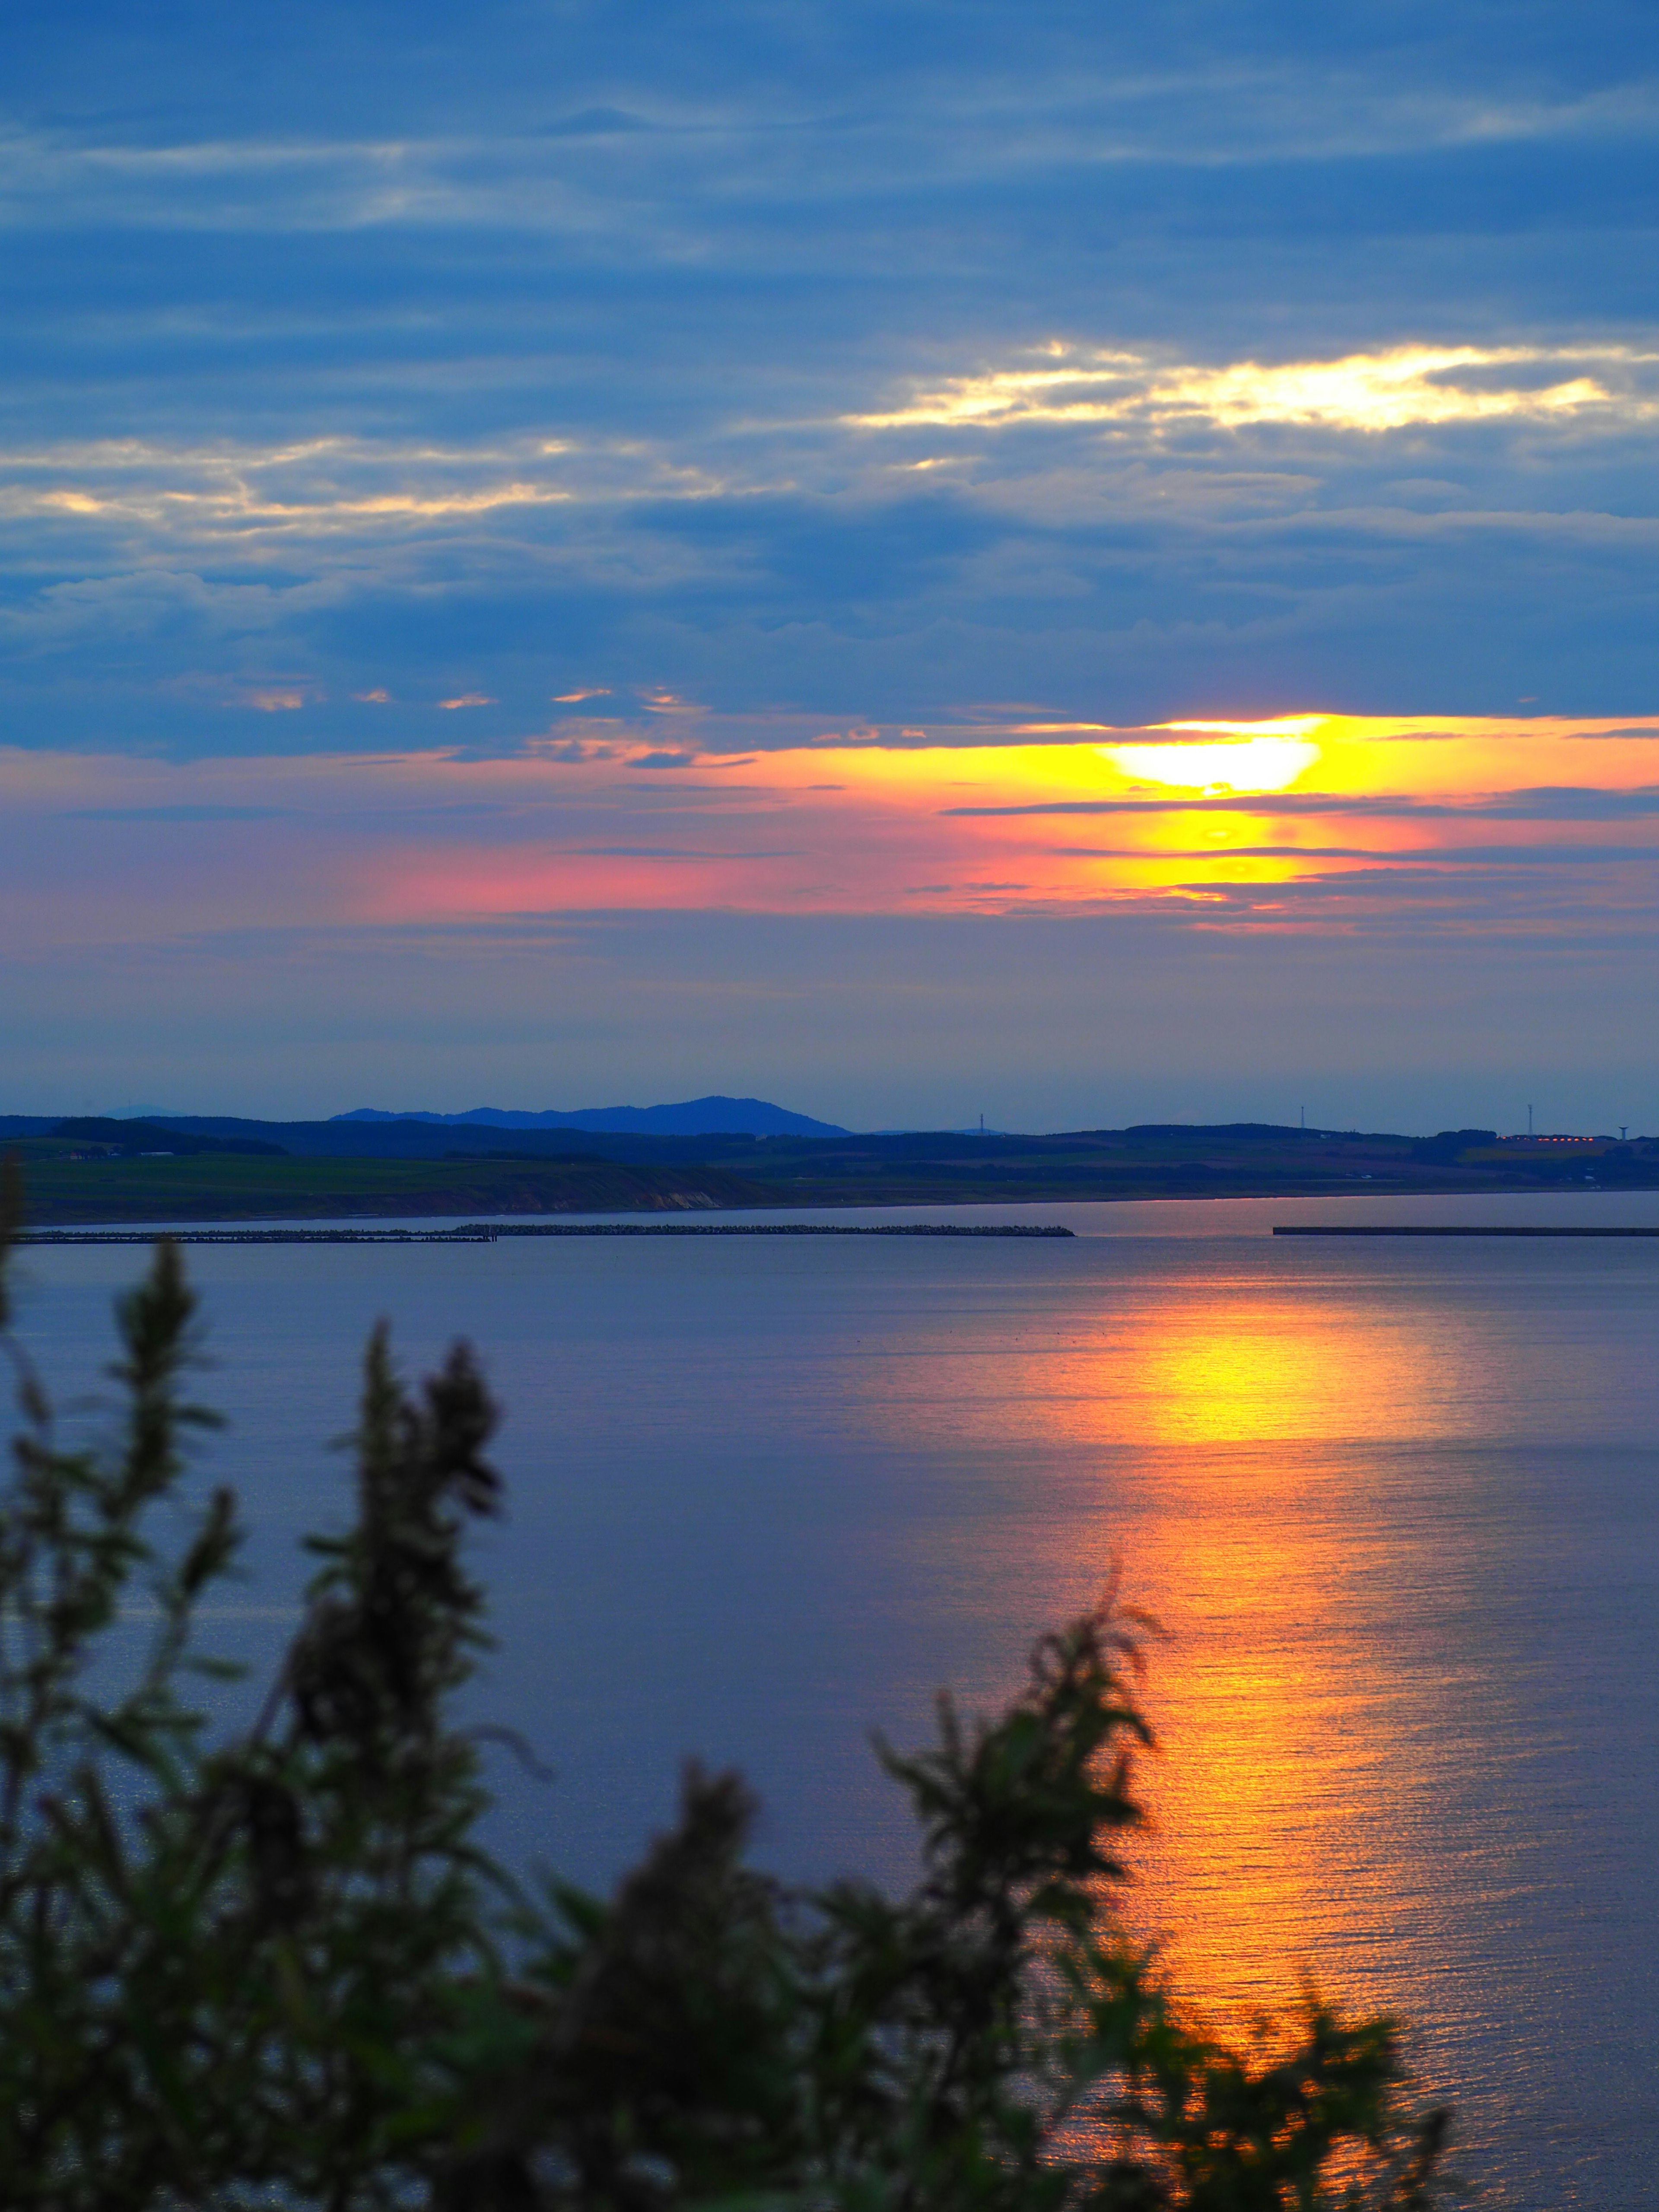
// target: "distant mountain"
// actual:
[[693, 1117]]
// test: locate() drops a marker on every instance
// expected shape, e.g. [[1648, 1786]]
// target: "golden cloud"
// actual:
[[1396, 389]]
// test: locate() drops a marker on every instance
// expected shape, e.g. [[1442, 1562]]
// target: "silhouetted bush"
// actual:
[[276, 1968]]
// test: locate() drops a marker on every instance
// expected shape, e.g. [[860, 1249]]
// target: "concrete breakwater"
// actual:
[[489, 1232], [1477, 1228]]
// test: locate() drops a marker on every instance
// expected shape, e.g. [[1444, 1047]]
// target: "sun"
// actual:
[[1240, 756]]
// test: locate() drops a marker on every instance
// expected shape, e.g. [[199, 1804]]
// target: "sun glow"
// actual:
[[1283, 726], [1253, 763], [1305, 821]]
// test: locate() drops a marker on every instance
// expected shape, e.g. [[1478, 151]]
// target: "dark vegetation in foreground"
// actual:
[[275, 1968], [202, 1168]]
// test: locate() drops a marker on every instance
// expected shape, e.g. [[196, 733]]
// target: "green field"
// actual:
[[214, 1187]]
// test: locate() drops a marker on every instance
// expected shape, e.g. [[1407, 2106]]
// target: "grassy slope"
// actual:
[[217, 1188]]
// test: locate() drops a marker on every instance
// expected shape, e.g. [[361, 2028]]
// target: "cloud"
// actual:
[[838, 369], [1224, 361], [179, 814], [1405, 387], [421, 836], [656, 701], [1564, 803], [1146, 555]]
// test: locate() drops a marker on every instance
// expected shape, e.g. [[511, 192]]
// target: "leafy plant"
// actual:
[[275, 1967]]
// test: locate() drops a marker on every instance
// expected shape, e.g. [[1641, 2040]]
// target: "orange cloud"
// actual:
[[1310, 822]]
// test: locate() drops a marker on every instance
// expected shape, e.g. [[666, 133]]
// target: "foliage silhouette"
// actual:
[[275, 1968]]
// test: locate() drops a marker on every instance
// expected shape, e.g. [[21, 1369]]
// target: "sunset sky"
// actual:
[[1081, 565]]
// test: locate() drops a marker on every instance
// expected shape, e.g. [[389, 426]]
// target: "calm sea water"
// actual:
[[1395, 1503]]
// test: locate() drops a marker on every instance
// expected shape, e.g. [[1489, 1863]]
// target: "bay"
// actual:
[[1394, 1505]]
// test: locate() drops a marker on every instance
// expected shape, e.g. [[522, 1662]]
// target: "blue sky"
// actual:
[[378, 378]]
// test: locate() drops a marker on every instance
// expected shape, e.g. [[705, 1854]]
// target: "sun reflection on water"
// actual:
[[1208, 1440], [1277, 1842]]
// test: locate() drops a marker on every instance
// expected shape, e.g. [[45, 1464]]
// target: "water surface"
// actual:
[[1396, 1505]]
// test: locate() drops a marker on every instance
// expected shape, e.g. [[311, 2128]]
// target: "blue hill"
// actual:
[[693, 1117]]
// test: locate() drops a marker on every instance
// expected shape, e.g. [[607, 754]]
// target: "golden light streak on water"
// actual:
[[1291, 1822]]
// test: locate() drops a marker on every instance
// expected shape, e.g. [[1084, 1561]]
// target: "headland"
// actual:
[[208, 1168]]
